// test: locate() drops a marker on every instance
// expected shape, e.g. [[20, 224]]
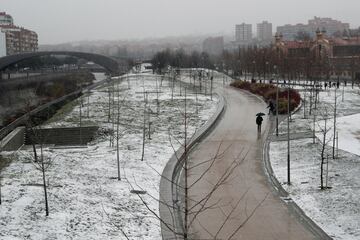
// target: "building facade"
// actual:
[[243, 33], [322, 57], [2, 44], [17, 39], [331, 26], [264, 31], [6, 19], [213, 45]]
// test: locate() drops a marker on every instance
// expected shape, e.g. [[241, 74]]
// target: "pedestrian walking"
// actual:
[[271, 107], [259, 120]]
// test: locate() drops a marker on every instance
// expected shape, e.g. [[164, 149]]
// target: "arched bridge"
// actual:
[[108, 63]]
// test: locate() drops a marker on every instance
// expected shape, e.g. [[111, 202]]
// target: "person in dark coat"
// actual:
[[271, 107], [259, 120]]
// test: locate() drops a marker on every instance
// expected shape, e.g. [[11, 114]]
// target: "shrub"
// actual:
[[268, 92]]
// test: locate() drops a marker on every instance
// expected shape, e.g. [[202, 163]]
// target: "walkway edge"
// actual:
[[168, 207], [282, 193]]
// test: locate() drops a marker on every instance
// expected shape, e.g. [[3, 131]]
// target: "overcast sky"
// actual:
[[58, 21]]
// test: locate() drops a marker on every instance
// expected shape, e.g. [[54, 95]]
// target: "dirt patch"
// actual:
[[4, 162], [357, 135]]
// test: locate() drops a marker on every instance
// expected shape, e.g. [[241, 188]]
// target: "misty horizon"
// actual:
[[73, 21]]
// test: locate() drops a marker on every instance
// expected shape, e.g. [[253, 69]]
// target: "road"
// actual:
[[243, 206]]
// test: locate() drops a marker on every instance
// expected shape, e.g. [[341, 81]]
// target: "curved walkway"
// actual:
[[243, 206]]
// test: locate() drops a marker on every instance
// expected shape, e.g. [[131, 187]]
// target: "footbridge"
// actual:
[[110, 64]]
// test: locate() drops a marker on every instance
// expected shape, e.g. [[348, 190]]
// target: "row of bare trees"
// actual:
[[306, 61]]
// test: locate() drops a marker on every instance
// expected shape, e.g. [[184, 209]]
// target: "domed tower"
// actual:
[[321, 46]]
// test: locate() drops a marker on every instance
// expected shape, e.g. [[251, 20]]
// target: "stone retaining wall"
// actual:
[[61, 136], [14, 140]]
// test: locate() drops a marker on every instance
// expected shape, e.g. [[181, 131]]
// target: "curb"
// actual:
[[282, 193], [169, 192]]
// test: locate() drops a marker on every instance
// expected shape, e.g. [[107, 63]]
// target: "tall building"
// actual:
[[289, 32], [264, 31], [2, 44], [6, 19], [331, 26], [243, 33], [213, 45], [17, 39]]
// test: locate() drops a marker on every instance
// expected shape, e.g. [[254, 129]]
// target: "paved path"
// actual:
[[245, 199]]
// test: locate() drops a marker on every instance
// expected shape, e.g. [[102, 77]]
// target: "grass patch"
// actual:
[[4, 162], [63, 111]]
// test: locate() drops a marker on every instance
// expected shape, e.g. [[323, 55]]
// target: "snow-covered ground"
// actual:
[[85, 198], [349, 133], [337, 209]]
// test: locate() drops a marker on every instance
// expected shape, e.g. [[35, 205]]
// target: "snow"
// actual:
[[349, 133], [337, 209], [86, 200]]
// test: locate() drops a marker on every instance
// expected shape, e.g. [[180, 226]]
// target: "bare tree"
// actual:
[[324, 130], [144, 125], [118, 134], [334, 127], [41, 162]]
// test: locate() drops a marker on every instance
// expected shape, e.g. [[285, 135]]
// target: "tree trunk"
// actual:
[[322, 156], [117, 140], [186, 174], [44, 183]]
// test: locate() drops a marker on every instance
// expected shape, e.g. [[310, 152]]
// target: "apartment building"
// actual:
[[243, 33], [331, 26], [15, 39], [264, 31]]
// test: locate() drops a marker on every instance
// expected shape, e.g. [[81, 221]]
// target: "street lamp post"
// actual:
[[288, 136], [253, 76], [277, 101], [265, 70]]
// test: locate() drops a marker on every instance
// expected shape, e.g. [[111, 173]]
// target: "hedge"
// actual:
[[268, 92]]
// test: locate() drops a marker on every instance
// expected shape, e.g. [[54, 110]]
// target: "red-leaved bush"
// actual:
[[268, 92]]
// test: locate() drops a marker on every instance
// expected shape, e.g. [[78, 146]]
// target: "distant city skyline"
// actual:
[[67, 21]]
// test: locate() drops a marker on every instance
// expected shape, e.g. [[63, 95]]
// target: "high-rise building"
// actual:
[[6, 19], [329, 25], [264, 31], [243, 33], [2, 44], [213, 45], [17, 39]]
